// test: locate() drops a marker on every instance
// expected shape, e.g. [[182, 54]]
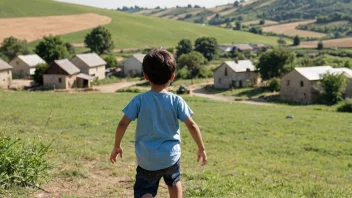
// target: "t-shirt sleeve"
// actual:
[[183, 110], [132, 109]]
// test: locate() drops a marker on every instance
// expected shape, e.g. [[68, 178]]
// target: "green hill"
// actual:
[[129, 30]]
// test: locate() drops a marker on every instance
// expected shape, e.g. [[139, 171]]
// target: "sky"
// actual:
[[113, 4]]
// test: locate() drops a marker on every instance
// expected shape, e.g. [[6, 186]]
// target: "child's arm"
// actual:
[[120, 132], [195, 132]]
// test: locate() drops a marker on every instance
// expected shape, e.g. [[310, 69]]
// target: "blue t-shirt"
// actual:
[[157, 138]]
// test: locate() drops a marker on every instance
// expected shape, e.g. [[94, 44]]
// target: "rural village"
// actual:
[[270, 82]]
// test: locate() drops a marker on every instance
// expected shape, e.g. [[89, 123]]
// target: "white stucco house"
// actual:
[[5, 74], [133, 65], [24, 65], [236, 74], [91, 64]]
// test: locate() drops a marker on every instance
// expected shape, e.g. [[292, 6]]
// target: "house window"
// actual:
[[302, 84], [8, 72], [219, 80], [288, 83], [60, 80], [17, 62], [225, 71]]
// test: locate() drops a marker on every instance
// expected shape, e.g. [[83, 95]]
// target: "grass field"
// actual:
[[254, 151], [290, 29], [129, 30]]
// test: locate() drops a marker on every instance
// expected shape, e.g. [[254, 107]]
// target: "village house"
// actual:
[[133, 65], [237, 47], [236, 74], [62, 74], [303, 83], [24, 65], [91, 64], [5, 74]]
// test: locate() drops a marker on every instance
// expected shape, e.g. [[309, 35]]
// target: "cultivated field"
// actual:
[[256, 22], [290, 29], [343, 42], [34, 28], [224, 13], [128, 30], [254, 151], [220, 7]]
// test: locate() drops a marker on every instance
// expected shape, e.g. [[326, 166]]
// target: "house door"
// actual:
[[241, 84], [233, 84], [85, 83]]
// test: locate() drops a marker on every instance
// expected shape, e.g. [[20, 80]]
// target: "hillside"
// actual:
[[331, 14], [128, 30]]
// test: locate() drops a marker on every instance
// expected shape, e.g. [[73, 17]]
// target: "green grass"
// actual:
[[130, 30], [254, 151]]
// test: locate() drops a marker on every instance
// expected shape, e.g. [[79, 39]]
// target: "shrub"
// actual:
[[274, 85], [345, 107], [21, 164]]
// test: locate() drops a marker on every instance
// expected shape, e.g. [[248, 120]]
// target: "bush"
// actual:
[[21, 164], [274, 85], [345, 107], [39, 71]]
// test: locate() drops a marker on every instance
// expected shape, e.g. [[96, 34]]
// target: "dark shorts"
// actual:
[[147, 182]]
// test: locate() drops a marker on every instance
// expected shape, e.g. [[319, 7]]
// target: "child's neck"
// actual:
[[159, 88]]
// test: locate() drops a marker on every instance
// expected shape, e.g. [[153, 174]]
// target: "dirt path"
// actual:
[[199, 91], [33, 28], [112, 88]]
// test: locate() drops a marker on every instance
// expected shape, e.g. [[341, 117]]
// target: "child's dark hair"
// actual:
[[159, 65]]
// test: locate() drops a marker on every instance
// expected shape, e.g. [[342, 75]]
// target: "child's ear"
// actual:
[[145, 76], [172, 78]]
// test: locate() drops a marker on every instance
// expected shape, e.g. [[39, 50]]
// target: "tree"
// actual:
[[334, 87], [296, 41], [110, 61], [52, 48], [208, 46], [281, 42], [38, 74], [236, 4], [262, 22], [71, 50], [275, 85], [193, 61], [12, 47], [275, 63], [320, 45], [184, 47], [238, 25], [99, 40]]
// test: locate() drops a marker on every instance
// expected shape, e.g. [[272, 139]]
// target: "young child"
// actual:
[[157, 139]]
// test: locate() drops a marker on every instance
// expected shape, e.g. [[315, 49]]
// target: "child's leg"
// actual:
[[147, 196], [175, 191]]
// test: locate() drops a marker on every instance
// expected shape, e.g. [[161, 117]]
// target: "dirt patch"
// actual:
[[34, 28], [290, 29], [112, 88], [98, 182], [343, 42]]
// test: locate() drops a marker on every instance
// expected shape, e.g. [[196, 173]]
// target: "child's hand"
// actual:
[[202, 154], [114, 153]]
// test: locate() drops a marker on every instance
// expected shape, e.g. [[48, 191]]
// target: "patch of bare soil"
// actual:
[[342, 42], [34, 28], [98, 182], [290, 29]]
